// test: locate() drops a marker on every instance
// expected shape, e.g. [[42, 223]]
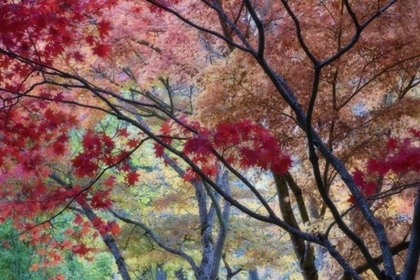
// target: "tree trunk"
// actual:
[[223, 181], [304, 252], [253, 275], [179, 274], [112, 246], [160, 273]]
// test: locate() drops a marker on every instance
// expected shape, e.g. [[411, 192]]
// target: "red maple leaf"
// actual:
[[97, 222], [102, 50], [78, 219], [100, 200], [414, 132], [90, 40], [66, 244], [367, 188], [249, 157], [78, 56], [84, 166], [125, 167], [159, 150], [59, 148], [351, 199], [91, 142], [68, 231], [392, 144], [210, 170], [377, 166], [189, 175], [58, 277], [110, 181], [104, 27], [80, 249], [115, 228], [122, 132], [132, 143], [165, 128], [200, 144], [132, 178]]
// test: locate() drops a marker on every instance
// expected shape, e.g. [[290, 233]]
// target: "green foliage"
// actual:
[[16, 261], [77, 269]]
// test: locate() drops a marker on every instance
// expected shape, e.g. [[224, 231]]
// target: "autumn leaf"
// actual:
[[102, 50], [78, 57], [132, 143], [122, 132], [159, 150], [72, 68], [66, 244], [115, 229], [110, 181], [84, 165], [166, 128], [97, 222], [391, 144], [78, 219], [80, 249], [104, 28], [45, 238], [58, 277], [85, 229], [132, 178], [189, 175], [100, 200], [199, 144], [35, 267]]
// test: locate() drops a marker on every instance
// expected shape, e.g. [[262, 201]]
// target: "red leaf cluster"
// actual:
[[33, 138], [101, 200], [52, 22], [367, 188], [245, 143], [400, 156], [97, 148], [105, 227]]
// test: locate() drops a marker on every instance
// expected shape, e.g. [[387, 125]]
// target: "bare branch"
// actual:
[[156, 239]]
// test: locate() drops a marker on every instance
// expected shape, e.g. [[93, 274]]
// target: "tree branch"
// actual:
[[413, 254], [156, 239]]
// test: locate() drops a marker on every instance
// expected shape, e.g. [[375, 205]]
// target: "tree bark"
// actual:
[[160, 272], [413, 254], [223, 181], [253, 274], [304, 252], [112, 246]]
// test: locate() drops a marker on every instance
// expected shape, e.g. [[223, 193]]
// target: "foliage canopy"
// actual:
[[209, 137]]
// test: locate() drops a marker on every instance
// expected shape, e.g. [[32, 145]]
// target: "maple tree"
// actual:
[[319, 96]]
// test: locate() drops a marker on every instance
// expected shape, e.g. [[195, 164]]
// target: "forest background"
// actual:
[[209, 139]]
